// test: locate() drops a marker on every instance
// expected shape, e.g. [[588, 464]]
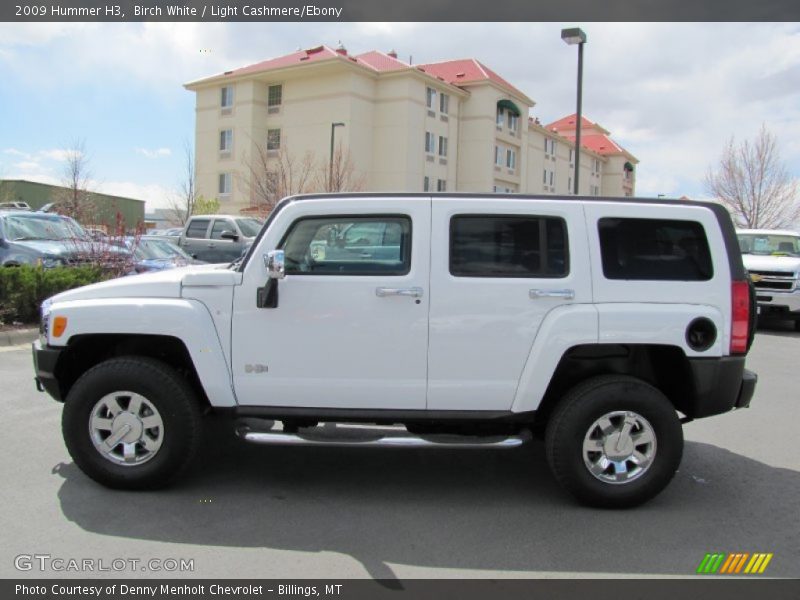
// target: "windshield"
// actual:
[[249, 227], [769, 244], [19, 227], [158, 249]]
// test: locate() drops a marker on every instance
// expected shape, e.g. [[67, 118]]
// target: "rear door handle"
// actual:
[[563, 294], [414, 292]]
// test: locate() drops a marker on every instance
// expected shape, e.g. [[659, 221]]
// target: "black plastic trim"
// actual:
[[383, 415], [45, 360], [721, 384]]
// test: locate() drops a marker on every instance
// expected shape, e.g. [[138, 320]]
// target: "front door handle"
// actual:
[[563, 294], [414, 292]]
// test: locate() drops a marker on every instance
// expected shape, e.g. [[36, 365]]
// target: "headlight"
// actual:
[[44, 313], [48, 262]]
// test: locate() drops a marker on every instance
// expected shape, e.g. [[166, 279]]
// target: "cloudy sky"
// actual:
[[672, 94]]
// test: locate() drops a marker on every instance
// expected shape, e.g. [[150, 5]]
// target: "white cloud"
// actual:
[[157, 153]]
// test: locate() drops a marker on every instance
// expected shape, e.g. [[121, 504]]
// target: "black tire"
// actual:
[[580, 408], [162, 388]]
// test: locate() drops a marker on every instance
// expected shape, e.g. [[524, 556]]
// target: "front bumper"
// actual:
[[721, 384], [45, 360], [777, 300]]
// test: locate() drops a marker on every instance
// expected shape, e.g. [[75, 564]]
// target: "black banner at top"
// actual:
[[398, 10]]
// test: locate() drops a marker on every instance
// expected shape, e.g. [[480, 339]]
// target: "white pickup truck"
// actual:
[[458, 320], [772, 257]]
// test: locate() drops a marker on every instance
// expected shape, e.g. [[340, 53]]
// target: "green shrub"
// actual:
[[22, 289]]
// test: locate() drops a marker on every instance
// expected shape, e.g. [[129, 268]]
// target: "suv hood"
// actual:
[[756, 262], [66, 248], [156, 284]]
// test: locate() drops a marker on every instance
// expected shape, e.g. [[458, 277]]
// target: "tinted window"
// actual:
[[349, 246], [654, 249], [197, 228], [508, 246], [249, 227], [221, 225]]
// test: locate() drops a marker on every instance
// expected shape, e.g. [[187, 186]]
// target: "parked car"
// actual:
[[773, 259], [31, 238], [156, 254], [218, 238], [473, 321], [14, 206]]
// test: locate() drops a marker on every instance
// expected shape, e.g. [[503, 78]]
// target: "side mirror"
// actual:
[[275, 263], [229, 235]]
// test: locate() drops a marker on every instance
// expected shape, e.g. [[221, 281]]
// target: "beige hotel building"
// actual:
[[448, 126]]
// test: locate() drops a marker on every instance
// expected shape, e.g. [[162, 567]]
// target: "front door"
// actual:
[[351, 326]]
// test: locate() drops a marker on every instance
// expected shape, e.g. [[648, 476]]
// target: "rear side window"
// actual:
[[508, 246], [349, 246], [654, 249], [197, 228]]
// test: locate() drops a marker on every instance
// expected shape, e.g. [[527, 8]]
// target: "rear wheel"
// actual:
[[131, 423], [614, 441]]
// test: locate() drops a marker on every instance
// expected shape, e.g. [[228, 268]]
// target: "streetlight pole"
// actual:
[[330, 166], [574, 36]]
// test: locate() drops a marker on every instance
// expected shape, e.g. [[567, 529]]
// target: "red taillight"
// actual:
[[740, 316]]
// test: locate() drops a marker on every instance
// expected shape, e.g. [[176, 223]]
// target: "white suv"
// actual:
[[448, 320], [773, 259]]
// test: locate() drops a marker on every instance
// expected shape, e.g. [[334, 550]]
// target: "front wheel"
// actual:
[[131, 423], [614, 441]]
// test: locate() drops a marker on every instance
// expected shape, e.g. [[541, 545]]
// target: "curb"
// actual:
[[15, 337]]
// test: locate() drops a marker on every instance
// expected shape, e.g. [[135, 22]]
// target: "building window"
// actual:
[[226, 97], [569, 185], [224, 188], [430, 142], [275, 95], [596, 165], [441, 185], [552, 178], [430, 95], [549, 146], [544, 177], [442, 146], [498, 155], [572, 155], [513, 121], [426, 184], [444, 104], [511, 158], [226, 140], [273, 139], [500, 117]]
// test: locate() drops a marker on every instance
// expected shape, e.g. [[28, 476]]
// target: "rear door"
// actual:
[[498, 267], [220, 249]]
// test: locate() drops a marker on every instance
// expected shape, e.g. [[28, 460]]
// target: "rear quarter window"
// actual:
[[654, 249], [197, 228]]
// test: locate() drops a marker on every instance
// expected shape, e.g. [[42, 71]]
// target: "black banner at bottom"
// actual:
[[423, 589]]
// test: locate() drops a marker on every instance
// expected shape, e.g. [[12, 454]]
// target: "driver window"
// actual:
[[221, 225], [349, 246]]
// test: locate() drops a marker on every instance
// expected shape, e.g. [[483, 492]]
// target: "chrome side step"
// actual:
[[370, 438]]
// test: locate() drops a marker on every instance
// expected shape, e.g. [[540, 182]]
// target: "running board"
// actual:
[[381, 440]]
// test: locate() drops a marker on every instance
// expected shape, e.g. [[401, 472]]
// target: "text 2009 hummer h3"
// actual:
[[472, 320]]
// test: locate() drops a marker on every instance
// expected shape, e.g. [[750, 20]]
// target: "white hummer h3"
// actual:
[[439, 320]]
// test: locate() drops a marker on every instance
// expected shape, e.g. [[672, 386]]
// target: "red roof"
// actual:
[[295, 58], [467, 70], [568, 124], [381, 62]]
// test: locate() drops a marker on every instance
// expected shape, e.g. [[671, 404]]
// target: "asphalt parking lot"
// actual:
[[249, 511]]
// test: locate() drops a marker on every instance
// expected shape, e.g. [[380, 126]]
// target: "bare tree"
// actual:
[[77, 201], [182, 205], [275, 174], [339, 174], [753, 183]]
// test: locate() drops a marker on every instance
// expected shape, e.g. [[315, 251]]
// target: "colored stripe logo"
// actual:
[[737, 563]]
